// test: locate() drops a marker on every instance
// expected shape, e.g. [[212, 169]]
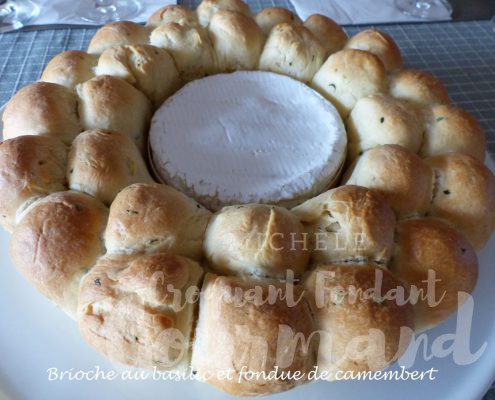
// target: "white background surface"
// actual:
[[35, 335]]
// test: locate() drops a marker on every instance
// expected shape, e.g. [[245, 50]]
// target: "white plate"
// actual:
[[35, 336]]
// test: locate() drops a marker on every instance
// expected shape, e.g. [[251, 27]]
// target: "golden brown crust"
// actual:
[[348, 224], [70, 68], [451, 129], [464, 196], [118, 33], [172, 13], [208, 8], [353, 304], [42, 108], [155, 217], [102, 163], [330, 35], [430, 244], [382, 119], [55, 243], [110, 103], [403, 179], [379, 43], [128, 313], [31, 167], [269, 17], [190, 47], [238, 332], [256, 239], [292, 50], [150, 69], [418, 87], [237, 41], [348, 75]]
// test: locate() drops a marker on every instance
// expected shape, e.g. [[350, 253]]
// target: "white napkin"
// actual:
[[64, 11], [354, 12]]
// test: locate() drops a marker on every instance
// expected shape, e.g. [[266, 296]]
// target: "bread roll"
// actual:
[[380, 44], [269, 17], [330, 35], [403, 179], [348, 224], [102, 163], [418, 87], [172, 13], [42, 108], [56, 242], [362, 326], [292, 50], [70, 68], [118, 33], [208, 8], [150, 69], [382, 119], [464, 196], [190, 47], [347, 76], [237, 41], [31, 167], [239, 332], [451, 129], [154, 217], [110, 103], [430, 244], [255, 239], [127, 310]]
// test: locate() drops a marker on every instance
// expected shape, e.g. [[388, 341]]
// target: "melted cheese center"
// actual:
[[247, 137]]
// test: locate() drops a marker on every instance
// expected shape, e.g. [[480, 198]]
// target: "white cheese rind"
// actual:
[[247, 137]]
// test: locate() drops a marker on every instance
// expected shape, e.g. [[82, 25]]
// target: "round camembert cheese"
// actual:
[[247, 137]]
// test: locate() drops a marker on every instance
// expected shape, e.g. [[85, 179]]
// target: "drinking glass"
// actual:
[[16, 14], [104, 11], [427, 9]]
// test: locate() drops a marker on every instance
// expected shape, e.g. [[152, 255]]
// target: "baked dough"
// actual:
[[348, 75], [150, 69], [330, 35], [236, 332], [127, 309], [428, 245], [359, 332], [190, 46], [400, 176], [117, 33], [56, 242], [256, 240], [292, 50], [102, 163], [153, 217], [31, 167], [110, 103], [380, 44], [269, 17], [42, 108], [172, 13], [237, 41], [208, 8], [70, 68], [381, 119], [348, 224], [464, 195]]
